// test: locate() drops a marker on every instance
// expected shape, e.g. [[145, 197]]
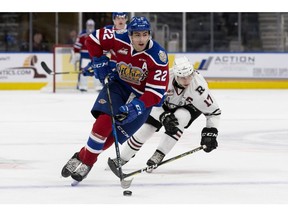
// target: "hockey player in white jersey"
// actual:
[[188, 97]]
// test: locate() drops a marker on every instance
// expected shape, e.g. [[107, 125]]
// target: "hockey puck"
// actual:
[[127, 193]]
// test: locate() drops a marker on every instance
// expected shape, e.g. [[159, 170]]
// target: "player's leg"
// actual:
[[100, 132], [81, 163], [89, 153], [135, 142], [82, 83]]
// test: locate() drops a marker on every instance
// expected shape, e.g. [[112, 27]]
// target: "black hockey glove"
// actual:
[[209, 136], [170, 122]]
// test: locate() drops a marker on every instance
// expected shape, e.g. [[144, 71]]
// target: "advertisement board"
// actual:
[[23, 71], [241, 65], [222, 70]]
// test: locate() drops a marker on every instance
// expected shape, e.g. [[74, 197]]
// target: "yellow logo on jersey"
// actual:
[[131, 74]]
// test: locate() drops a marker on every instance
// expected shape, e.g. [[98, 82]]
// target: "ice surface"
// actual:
[[41, 131]]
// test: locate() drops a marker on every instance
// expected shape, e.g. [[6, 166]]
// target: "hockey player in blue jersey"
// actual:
[[119, 21], [140, 82]]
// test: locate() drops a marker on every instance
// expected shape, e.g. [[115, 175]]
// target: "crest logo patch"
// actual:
[[162, 56]]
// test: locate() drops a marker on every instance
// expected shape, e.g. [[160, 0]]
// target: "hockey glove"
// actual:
[[130, 111], [75, 57], [208, 140], [101, 67], [170, 122], [88, 70]]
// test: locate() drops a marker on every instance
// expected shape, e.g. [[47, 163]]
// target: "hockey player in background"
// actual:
[[80, 55], [119, 21], [119, 24], [188, 97], [138, 81]]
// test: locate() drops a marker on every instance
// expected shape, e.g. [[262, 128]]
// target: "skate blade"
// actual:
[[149, 170], [74, 183]]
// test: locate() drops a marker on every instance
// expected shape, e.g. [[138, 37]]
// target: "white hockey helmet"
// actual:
[[182, 67]]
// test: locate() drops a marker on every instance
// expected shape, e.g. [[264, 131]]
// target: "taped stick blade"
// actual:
[[46, 68], [126, 183], [113, 167]]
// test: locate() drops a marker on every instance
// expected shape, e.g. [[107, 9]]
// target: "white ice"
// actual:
[[40, 131]]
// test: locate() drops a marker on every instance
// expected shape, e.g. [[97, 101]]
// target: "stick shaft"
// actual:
[[124, 183], [163, 162]]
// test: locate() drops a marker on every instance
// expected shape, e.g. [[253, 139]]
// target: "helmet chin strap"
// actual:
[[177, 83]]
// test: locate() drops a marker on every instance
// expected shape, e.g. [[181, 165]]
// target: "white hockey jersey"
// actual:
[[197, 94]]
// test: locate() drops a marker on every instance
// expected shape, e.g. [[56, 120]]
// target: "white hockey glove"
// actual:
[[75, 57]]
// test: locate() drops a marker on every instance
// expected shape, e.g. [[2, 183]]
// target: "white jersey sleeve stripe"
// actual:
[[154, 92], [216, 112], [95, 38], [93, 150], [156, 86]]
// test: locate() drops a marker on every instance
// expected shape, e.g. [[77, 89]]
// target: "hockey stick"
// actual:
[[49, 71], [124, 183], [114, 168]]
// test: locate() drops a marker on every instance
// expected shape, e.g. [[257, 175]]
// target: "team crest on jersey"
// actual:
[[162, 55], [102, 101], [123, 51], [131, 74]]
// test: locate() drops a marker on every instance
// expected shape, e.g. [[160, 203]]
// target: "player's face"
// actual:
[[120, 22], [140, 40], [90, 28], [184, 81]]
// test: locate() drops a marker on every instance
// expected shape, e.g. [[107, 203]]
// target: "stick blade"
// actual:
[[46, 68], [113, 167], [126, 183]]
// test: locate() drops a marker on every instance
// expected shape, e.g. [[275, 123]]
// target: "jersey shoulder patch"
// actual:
[[158, 53]]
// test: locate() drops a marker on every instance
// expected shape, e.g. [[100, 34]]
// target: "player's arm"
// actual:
[[96, 44], [75, 53], [207, 104], [212, 113], [156, 86], [99, 41]]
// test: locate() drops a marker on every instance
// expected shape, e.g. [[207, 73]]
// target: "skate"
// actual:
[[70, 166], [81, 173], [156, 158], [83, 90]]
